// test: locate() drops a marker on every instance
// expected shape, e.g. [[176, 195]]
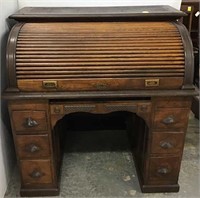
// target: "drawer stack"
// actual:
[[33, 143], [167, 140]]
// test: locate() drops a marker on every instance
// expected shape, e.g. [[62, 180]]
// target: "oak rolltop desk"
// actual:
[[99, 60]]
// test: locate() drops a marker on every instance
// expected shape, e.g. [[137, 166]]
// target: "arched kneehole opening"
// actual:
[[97, 148]]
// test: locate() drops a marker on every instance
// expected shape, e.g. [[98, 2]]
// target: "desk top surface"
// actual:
[[75, 13]]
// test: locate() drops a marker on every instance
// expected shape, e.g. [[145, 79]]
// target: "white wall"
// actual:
[[23, 3], [7, 157]]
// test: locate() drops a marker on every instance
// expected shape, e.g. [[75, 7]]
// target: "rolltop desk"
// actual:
[[99, 60]]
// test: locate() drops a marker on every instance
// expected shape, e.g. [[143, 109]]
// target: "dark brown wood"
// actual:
[[33, 146], [10, 57], [98, 13], [107, 84], [110, 56], [159, 189], [59, 110], [36, 171], [163, 142], [170, 118], [100, 94], [164, 170], [35, 151], [85, 68], [195, 106], [51, 191], [135, 60], [189, 56], [171, 102], [22, 119], [147, 150]]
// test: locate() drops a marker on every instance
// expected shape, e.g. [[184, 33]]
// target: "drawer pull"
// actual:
[[163, 171], [57, 110], [31, 123], [32, 148], [36, 174], [166, 145], [168, 120]]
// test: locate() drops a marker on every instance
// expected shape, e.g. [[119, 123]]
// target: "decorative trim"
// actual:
[[189, 56], [10, 57], [78, 108]]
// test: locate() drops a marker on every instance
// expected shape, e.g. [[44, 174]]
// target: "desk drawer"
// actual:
[[170, 142], [29, 121], [36, 172], [170, 118], [164, 170], [33, 146]]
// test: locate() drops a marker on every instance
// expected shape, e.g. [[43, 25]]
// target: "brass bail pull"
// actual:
[[49, 84], [152, 82]]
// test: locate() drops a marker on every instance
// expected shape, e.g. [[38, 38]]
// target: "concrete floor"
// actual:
[[99, 164]]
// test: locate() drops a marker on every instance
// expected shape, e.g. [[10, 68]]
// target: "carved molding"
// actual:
[[142, 109]]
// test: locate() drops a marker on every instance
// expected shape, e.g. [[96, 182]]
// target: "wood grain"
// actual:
[[119, 50], [118, 84]]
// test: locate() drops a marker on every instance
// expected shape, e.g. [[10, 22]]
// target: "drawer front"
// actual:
[[33, 146], [36, 172], [29, 121], [171, 118], [172, 102], [167, 142], [164, 170]]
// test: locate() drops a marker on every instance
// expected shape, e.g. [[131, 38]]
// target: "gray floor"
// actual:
[[108, 170]]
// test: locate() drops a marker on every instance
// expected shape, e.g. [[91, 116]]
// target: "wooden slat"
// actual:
[[89, 52], [89, 56], [46, 68], [100, 71], [94, 37], [117, 50], [100, 39], [102, 63], [63, 41], [98, 59], [99, 48], [93, 27], [97, 45], [42, 76]]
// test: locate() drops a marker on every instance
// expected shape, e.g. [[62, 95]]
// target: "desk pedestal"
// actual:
[[157, 139]]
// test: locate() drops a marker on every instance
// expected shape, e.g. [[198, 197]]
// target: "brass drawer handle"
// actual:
[[32, 148], [31, 123], [36, 174], [152, 82], [163, 171], [169, 120], [166, 145], [49, 84]]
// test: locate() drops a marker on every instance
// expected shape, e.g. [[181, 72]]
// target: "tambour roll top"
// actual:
[[99, 55]]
